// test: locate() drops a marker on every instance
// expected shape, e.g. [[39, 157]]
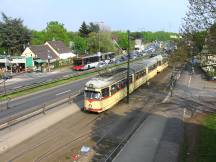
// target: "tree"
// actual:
[[122, 40], [211, 39], [84, 30], [38, 37], [13, 34], [104, 44], [80, 43], [200, 18], [93, 27], [56, 31]]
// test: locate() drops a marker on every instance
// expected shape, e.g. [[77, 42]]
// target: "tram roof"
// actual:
[[82, 56], [108, 78]]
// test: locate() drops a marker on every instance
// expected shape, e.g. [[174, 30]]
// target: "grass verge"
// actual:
[[207, 143], [200, 140]]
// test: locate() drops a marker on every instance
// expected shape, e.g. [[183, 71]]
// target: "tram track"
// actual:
[[83, 137], [84, 128], [54, 136], [102, 140]]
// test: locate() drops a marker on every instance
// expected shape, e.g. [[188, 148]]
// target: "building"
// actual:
[[48, 55], [42, 55], [15, 63], [60, 49]]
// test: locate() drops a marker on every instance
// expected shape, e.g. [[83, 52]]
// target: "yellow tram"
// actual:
[[104, 91]]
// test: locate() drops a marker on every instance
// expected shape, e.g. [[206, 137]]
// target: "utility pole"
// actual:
[[98, 23], [128, 68]]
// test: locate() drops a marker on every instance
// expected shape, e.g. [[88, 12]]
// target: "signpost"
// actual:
[[49, 58]]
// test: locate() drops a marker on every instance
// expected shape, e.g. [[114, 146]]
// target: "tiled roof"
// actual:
[[59, 46], [42, 51]]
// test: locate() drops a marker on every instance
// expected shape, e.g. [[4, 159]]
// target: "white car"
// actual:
[[101, 64], [90, 65]]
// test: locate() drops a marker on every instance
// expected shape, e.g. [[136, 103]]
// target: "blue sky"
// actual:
[[135, 15]]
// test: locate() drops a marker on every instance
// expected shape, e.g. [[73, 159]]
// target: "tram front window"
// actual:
[[92, 95]]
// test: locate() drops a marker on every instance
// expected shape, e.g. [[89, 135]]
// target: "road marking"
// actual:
[[63, 92], [17, 87], [184, 113], [189, 81], [166, 98]]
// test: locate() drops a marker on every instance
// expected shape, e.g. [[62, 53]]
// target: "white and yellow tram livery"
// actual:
[[104, 91]]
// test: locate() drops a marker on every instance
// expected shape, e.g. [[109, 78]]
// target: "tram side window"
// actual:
[[123, 83], [152, 67], [120, 85], [140, 74], [113, 89], [159, 63], [105, 92]]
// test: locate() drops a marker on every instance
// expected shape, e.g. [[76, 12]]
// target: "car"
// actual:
[[101, 64], [124, 58]]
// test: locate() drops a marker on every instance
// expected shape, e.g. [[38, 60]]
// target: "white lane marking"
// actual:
[[17, 87], [184, 113], [189, 81], [166, 98], [63, 92]]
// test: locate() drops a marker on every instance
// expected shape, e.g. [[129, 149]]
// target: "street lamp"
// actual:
[[100, 22], [49, 58]]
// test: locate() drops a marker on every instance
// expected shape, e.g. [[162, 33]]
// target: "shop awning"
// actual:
[[39, 61]]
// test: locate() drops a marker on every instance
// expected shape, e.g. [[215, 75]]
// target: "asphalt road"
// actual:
[[28, 79], [41, 98]]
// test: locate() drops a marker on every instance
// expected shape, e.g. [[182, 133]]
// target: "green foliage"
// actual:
[[84, 30], [207, 143], [38, 37], [14, 35], [53, 31], [122, 39], [211, 39], [79, 43], [180, 55], [199, 41], [160, 35], [100, 41], [56, 31], [93, 27]]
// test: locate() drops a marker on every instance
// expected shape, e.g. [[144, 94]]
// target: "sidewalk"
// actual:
[[159, 137], [143, 145], [14, 136]]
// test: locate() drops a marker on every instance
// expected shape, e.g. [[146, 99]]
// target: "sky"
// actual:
[[134, 15]]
